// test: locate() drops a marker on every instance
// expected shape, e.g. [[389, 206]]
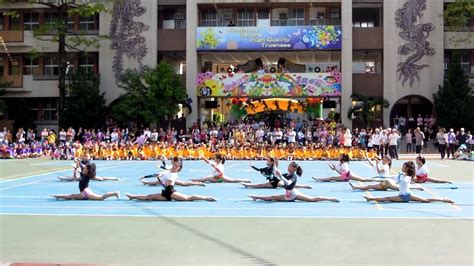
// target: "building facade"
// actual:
[[249, 51]]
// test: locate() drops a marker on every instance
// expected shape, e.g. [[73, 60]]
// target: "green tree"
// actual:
[[85, 104], [457, 16], [364, 108], [67, 39], [454, 100], [151, 96]]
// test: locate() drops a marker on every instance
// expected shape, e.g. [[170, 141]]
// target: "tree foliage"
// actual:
[[364, 108], [454, 100], [457, 16], [151, 96], [85, 104], [67, 39]]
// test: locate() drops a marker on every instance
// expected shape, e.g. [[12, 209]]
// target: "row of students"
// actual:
[[111, 151], [169, 178]]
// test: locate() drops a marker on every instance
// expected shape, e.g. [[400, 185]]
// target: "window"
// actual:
[[263, 14], [317, 16], [180, 19], [88, 23], [50, 110], [209, 18], [30, 21], [245, 18], [365, 62], [51, 65], [15, 64], [15, 22], [366, 17], [2, 66], [50, 19], [295, 16], [87, 62], [335, 16], [44, 109], [173, 18], [70, 23], [466, 61], [1, 21], [30, 66]]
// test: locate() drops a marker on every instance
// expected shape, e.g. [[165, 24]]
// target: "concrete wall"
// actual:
[[346, 61], [430, 77], [191, 58], [35, 88], [108, 83], [458, 40]]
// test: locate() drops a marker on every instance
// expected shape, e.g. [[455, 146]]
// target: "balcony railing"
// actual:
[[367, 84], [12, 36], [17, 80], [367, 38]]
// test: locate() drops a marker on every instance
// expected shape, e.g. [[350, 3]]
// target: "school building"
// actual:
[[265, 54]]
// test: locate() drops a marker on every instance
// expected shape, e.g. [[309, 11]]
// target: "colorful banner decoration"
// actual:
[[269, 38], [269, 85], [273, 104]]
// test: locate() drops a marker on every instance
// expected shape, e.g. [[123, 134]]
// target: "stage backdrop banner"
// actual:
[[269, 38], [269, 85]]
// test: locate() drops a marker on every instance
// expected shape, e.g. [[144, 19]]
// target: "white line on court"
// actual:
[[33, 182], [237, 216], [211, 208], [438, 164], [53, 162], [24, 184]]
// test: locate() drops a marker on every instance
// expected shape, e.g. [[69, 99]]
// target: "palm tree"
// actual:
[[363, 107]]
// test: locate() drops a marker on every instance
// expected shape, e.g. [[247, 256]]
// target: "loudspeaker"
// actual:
[[210, 104], [329, 104]]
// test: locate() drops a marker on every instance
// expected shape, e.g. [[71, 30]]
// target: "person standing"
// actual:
[[376, 140], [451, 143], [402, 121], [419, 137], [393, 142], [442, 139], [347, 138], [463, 137]]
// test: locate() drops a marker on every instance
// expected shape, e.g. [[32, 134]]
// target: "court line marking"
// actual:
[[368, 192], [240, 216], [438, 164], [438, 196], [135, 207], [45, 172], [35, 174], [37, 181], [53, 162], [428, 190], [23, 184]]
